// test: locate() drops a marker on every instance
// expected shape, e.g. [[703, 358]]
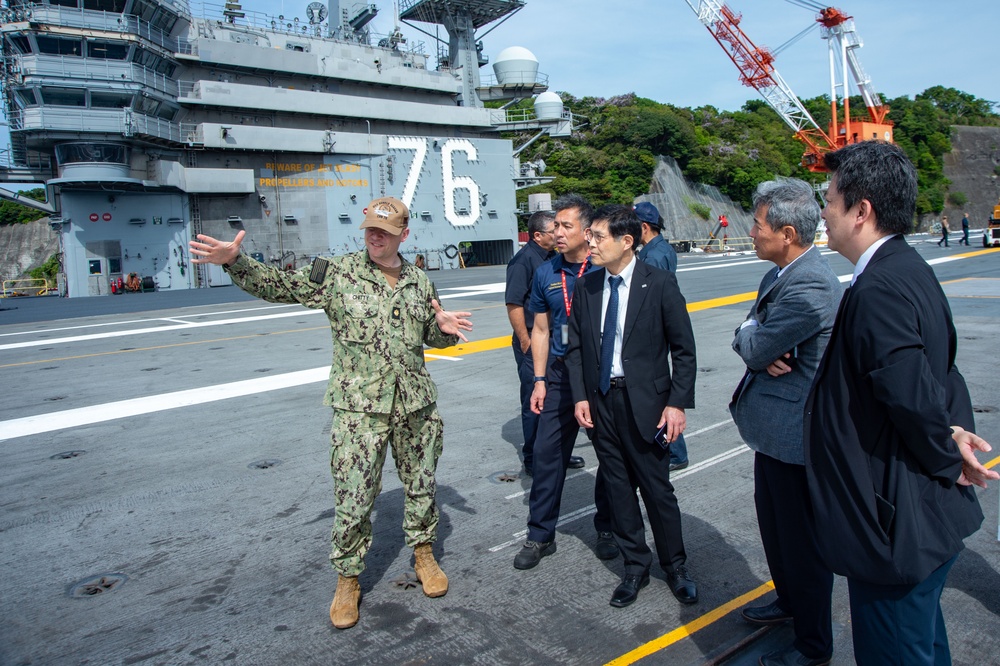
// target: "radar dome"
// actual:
[[516, 65], [548, 106]]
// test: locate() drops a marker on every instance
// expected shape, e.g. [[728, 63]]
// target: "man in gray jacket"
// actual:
[[782, 342]]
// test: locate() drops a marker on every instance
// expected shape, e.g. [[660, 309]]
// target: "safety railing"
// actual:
[[189, 89], [25, 287], [255, 22], [124, 121], [191, 133], [514, 116], [74, 67], [515, 79], [98, 20], [719, 244]]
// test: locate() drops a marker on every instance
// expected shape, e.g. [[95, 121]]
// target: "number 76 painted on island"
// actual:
[[451, 183]]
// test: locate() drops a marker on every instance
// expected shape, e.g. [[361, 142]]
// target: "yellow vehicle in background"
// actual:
[[991, 236]]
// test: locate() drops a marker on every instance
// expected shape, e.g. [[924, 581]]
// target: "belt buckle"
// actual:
[[617, 382]]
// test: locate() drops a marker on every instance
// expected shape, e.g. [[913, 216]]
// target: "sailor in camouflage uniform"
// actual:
[[382, 310]]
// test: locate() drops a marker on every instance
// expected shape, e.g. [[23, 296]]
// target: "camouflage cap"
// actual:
[[387, 213]]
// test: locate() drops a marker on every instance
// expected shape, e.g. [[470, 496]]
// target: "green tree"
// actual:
[[15, 213], [960, 108], [48, 270], [612, 155]]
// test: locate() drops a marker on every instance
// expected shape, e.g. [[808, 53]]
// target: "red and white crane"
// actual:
[[756, 66]]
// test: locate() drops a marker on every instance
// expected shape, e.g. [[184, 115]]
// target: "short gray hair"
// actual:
[[539, 220], [790, 203]]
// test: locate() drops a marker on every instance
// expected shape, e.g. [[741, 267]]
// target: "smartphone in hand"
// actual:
[[661, 437]]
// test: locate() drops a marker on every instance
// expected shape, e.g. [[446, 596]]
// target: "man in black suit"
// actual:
[[628, 322], [889, 447]]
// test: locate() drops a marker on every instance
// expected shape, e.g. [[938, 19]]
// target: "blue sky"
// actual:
[[659, 50]]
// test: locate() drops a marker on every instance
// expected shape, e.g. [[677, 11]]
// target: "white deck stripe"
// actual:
[[141, 321], [157, 329], [678, 475], [587, 510], [74, 418]]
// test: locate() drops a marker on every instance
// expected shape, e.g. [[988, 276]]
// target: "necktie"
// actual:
[[608, 336]]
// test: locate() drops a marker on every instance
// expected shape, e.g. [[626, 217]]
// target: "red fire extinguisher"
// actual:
[[121, 285], [114, 286]]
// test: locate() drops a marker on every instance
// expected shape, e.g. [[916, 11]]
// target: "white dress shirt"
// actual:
[[623, 291], [863, 260]]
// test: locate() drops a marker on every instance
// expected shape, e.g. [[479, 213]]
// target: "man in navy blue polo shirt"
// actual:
[[520, 273], [552, 399], [657, 251]]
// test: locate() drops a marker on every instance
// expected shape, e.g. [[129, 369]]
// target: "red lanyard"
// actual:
[[562, 274]]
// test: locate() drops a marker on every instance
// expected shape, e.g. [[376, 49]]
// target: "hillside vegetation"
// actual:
[[610, 159], [15, 213]]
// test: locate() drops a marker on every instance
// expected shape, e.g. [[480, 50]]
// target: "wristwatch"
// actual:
[[538, 379]]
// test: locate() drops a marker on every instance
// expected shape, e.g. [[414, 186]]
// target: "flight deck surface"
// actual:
[[172, 450]]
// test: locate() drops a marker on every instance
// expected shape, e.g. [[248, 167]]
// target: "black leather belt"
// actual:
[[618, 382]]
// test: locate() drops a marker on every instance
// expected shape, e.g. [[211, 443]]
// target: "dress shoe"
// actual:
[[606, 548], [765, 615], [682, 586], [628, 590], [576, 462], [674, 466], [532, 553], [791, 657]]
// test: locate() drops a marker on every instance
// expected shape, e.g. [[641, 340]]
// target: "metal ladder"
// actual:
[[194, 206]]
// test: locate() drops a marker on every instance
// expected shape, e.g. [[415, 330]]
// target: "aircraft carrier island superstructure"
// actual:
[[149, 125]]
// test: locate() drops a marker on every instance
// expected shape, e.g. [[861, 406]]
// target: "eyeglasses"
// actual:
[[595, 236]]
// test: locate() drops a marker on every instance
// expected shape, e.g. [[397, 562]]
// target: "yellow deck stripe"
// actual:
[[686, 630], [490, 344]]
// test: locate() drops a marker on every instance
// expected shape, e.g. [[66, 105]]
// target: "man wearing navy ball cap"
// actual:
[[657, 251]]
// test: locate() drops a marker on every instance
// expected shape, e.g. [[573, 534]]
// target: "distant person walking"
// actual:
[[965, 230], [944, 231]]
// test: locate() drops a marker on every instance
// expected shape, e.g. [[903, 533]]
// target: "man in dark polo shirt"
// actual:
[[520, 272], [551, 398]]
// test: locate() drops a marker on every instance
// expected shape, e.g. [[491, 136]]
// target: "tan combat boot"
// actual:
[[428, 572], [344, 609]]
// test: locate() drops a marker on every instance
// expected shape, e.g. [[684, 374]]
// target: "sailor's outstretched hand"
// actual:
[[452, 323], [208, 250]]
